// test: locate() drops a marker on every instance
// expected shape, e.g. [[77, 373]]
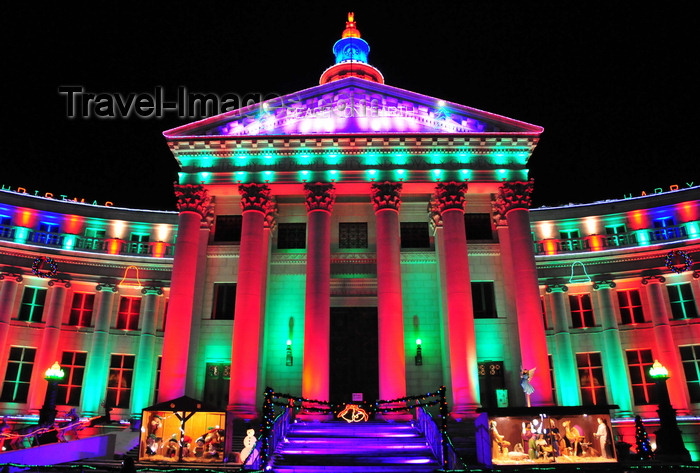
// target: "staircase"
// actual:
[[374, 446]]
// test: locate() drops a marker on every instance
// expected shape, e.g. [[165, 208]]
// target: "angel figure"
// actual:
[[525, 377]]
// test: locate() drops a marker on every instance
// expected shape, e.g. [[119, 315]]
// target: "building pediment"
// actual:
[[351, 106]]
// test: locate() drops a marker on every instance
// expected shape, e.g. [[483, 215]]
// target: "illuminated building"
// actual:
[[319, 236]]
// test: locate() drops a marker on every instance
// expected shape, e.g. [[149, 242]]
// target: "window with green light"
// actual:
[[138, 243], [570, 240], [32, 306], [616, 235], [690, 357], [682, 301], [18, 374]]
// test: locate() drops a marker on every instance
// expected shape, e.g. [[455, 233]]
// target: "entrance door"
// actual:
[[354, 356]]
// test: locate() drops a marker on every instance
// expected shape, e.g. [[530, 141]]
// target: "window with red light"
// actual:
[[581, 311], [81, 309], [590, 376], [128, 315], [643, 387], [121, 372], [73, 365], [630, 306]]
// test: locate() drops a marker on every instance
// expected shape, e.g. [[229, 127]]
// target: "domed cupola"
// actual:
[[351, 53]]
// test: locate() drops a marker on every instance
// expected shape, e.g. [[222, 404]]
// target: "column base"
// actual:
[[464, 412], [242, 411]]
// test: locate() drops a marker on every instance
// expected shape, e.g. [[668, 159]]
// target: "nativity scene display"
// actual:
[[519, 440], [182, 430]]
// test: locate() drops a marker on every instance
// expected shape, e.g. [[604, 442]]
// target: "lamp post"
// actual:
[[669, 442], [53, 375]]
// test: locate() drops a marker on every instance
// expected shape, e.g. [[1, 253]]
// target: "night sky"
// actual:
[[612, 83]]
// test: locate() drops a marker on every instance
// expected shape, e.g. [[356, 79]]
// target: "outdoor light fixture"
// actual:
[[290, 358], [419, 352], [47, 413], [658, 370]]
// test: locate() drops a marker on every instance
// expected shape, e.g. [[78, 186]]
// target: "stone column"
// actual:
[[513, 203], [386, 199], [193, 205], [8, 294], [563, 358], [97, 365], [320, 198], [666, 347], [464, 371], [614, 358], [146, 359], [248, 316], [47, 354]]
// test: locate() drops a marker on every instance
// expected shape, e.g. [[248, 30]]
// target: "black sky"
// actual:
[[612, 83]]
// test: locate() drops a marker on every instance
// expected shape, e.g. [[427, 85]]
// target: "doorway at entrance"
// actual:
[[354, 354]]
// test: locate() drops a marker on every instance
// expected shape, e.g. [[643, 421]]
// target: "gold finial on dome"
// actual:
[[351, 30]]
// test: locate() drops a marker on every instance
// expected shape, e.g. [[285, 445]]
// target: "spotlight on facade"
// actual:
[[290, 358], [419, 352]]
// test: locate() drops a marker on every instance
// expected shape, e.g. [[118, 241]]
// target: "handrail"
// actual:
[[272, 434]]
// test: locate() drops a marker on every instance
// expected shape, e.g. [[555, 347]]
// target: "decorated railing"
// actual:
[[275, 426]]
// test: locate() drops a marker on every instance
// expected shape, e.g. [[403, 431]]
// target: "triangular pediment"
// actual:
[[351, 106]]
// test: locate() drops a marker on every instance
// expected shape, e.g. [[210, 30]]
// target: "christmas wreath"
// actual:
[[53, 267], [678, 268]]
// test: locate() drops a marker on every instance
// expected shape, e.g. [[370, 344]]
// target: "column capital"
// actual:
[[550, 288], [271, 214], [513, 195], [254, 197], [9, 276], [152, 290], [193, 198], [654, 278], [604, 284], [319, 196], [450, 195], [386, 195]]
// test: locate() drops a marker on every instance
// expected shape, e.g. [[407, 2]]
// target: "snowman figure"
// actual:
[[248, 444]]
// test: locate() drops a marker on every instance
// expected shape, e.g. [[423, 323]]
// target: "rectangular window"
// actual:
[[224, 301], [352, 235], [544, 314], [216, 385], [484, 300], [491, 379], [570, 240], [94, 238], [291, 236], [415, 235], [690, 356], [128, 314], [138, 243], [550, 362], [682, 301], [616, 235], [590, 376], [478, 226], [121, 371], [18, 374], [643, 387], [227, 229], [47, 233], [73, 365], [32, 306], [581, 311], [157, 384], [630, 307], [81, 309]]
